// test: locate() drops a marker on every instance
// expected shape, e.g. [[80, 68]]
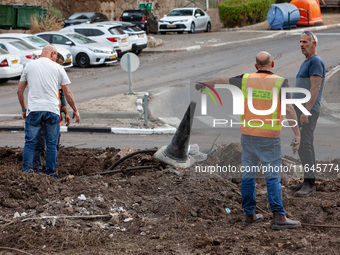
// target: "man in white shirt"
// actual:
[[43, 77]]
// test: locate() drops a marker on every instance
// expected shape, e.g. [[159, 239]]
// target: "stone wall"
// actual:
[[112, 8]]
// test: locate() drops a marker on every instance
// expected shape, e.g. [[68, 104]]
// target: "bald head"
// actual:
[[49, 51], [264, 61]]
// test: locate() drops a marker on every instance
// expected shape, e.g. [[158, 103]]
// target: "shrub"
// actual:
[[50, 20], [243, 12]]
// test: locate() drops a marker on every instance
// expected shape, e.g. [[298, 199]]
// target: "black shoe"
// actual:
[[296, 187], [255, 218], [306, 190]]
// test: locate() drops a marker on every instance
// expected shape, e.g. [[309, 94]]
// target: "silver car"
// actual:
[[26, 52], [84, 50], [185, 19], [39, 43]]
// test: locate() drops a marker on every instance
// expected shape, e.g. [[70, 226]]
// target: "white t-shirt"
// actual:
[[44, 77]]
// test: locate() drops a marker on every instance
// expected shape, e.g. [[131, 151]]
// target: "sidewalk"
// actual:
[[129, 119]]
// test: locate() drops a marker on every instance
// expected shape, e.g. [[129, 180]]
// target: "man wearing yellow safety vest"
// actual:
[[261, 138]]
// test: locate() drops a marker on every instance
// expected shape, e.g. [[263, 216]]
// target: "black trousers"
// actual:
[[306, 150]]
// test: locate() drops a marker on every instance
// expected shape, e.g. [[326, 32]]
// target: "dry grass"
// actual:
[[49, 21]]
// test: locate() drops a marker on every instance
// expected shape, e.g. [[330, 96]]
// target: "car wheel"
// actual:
[[147, 29], [180, 32], [3, 80], [208, 29], [163, 33], [192, 28], [83, 60]]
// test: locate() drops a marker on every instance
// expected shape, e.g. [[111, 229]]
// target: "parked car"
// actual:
[[138, 37], [26, 52], [185, 19], [84, 50], [10, 66], [104, 33], [39, 43], [84, 17], [142, 18]]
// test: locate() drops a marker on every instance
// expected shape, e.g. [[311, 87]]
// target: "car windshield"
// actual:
[[80, 38], [3, 52], [82, 15], [36, 41], [116, 31], [180, 13], [22, 45], [133, 28]]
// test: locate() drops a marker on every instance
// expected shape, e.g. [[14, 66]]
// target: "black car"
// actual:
[[142, 18], [85, 17]]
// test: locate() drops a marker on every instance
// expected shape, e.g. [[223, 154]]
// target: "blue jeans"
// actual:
[[306, 149], [33, 124], [268, 151], [40, 150]]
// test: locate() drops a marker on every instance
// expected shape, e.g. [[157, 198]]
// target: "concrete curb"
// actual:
[[280, 33], [166, 129]]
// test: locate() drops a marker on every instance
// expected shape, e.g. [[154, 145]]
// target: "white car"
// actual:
[[84, 50], [103, 33], [39, 43], [185, 19], [138, 37], [10, 66], [26, 52]]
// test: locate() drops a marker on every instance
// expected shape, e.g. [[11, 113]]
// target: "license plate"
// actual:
[[141, 35], [68, 60], [113, 56], [171, 26], [124, 40], [14, 61]]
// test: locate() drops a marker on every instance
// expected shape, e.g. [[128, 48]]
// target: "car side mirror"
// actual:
[[198, 15], [69, 43]]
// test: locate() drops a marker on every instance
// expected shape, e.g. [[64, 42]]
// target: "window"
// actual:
[[46, 37], [116, 31], [3, 47], [59, 39], [200, 12]]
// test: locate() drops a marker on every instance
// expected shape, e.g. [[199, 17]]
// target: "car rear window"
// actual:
[[132, 15], [22, 45], [116, 31]]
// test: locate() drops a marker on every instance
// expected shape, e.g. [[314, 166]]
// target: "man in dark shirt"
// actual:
[[311, 76]]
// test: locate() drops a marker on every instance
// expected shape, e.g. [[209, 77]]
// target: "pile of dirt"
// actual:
[[151, 211]]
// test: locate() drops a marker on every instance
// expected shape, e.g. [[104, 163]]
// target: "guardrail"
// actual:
[[301, 17]]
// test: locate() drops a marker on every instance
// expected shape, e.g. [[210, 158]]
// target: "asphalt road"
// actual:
[[167, 76]]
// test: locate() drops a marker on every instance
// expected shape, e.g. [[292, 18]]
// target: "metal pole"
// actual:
[[146, 110], [207, 3], [130, 74]]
